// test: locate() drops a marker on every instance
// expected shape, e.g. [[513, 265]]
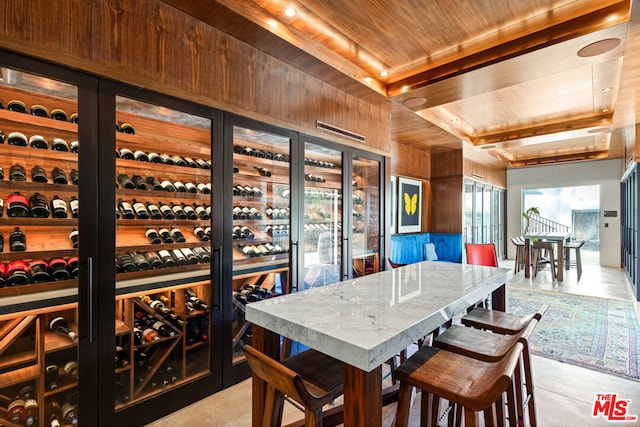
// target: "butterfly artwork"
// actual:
[[409, 205]]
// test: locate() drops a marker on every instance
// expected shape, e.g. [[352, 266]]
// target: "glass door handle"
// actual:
[[218, 251], [294, 263], [90, 299], [345, 270]]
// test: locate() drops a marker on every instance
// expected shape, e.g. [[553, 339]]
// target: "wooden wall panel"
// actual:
[[486, 174], [446, 164], [150, 44], [410, 161], [446, 205]]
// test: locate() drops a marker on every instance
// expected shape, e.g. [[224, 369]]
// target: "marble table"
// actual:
[[553, 236], [365, 321]]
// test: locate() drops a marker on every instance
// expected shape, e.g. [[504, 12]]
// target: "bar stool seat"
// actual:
[[491, 347], [518, 242], [499, 321], [575, 245], [539, 259], [310, 378], [472, 384]]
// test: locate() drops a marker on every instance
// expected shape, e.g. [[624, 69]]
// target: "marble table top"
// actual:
[[365, 321], [548, 235]]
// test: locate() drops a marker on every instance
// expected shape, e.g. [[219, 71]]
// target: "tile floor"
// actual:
[[564, 393]]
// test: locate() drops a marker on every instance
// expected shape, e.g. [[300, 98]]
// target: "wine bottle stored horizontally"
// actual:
[[121, 357], [61, 326], [195, 302]]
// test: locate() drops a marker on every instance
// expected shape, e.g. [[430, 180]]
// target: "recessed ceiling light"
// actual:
[[605, 110], [384, 73], [272, 23], [367, 79], [290, 12], [599, 47], [607, 89], [414, 102]]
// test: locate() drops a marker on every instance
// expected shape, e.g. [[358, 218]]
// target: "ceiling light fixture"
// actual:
[[367, 79], [384, 73], [290, 12], [414, 102], [605, 110], [599, 47], [607, 89]]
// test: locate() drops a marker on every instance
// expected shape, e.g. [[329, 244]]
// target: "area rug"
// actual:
[[595, 333]]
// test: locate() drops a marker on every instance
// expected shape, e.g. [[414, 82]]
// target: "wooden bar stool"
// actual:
[[575, 245], [469, 384], [543, 253], [500, 322], [519, 263], [310, 378], [491, 347]]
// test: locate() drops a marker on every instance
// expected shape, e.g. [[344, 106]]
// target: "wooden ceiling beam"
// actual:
[[585, 24], [573, 157]]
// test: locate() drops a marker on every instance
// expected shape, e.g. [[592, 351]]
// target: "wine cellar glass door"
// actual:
[[366, 218], [39, 272], [323, 206], [261, 225], [163, 210]]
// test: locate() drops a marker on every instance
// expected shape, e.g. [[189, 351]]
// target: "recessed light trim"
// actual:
[[414, 102], [599, 47], [368, 79], [290, 12], [384, 73]]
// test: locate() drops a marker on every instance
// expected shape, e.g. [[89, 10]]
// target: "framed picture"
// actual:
[[394, 204], [409, 205]]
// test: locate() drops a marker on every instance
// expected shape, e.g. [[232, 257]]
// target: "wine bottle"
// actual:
[[73, 236], [204, 188], [178, 161], [126, 210], [240, 190], [191, 188], [189, 255], [180, 187], [150, 335], [125, 182], [38, 206], [17, 205], [74, 175], [166, 258], [179, 257], [177, 235], [154, 158], [140, 357], [153, 236], [122, 393], [60, 326], [203, 164], [198, 231], [141, 156], [73, 206], [32, 411], [162, 329], [178, 211], [263, 171], [126, 154], [166, 159], [121, 357], [202, 254], [188, 209], [190, 162], [168, 186], [165, 235], [16, 412], [140, 209], [154, 211], [153, 259], [137, 340], [201, 211], [166, 211], [140, 261], [69, 414], [55, 413], [17, 240], [140, 182], [194, 301], [51, 374], [154, 183]]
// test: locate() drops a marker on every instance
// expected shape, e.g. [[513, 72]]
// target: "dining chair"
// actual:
[[575, 245], [543, 253], [481, 254], [519, 263], [310, 378]]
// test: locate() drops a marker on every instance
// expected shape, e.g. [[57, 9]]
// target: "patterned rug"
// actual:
[[595, 333]]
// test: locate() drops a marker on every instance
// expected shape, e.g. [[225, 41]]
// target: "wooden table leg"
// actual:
[[527, 258], [362, 397], [560, 271], [268, 343], [499, 298]]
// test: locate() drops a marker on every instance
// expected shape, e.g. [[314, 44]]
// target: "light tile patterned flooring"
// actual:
[[564, 393]]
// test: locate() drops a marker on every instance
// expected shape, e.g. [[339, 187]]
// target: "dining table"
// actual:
[[557, 237], [365, 321]]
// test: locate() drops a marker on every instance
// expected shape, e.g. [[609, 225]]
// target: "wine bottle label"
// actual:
[[59, 204], [157, 305], [73, 204], [139, 207]]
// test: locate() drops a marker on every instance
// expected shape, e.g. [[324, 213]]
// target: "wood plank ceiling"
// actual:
[[505, 80]]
